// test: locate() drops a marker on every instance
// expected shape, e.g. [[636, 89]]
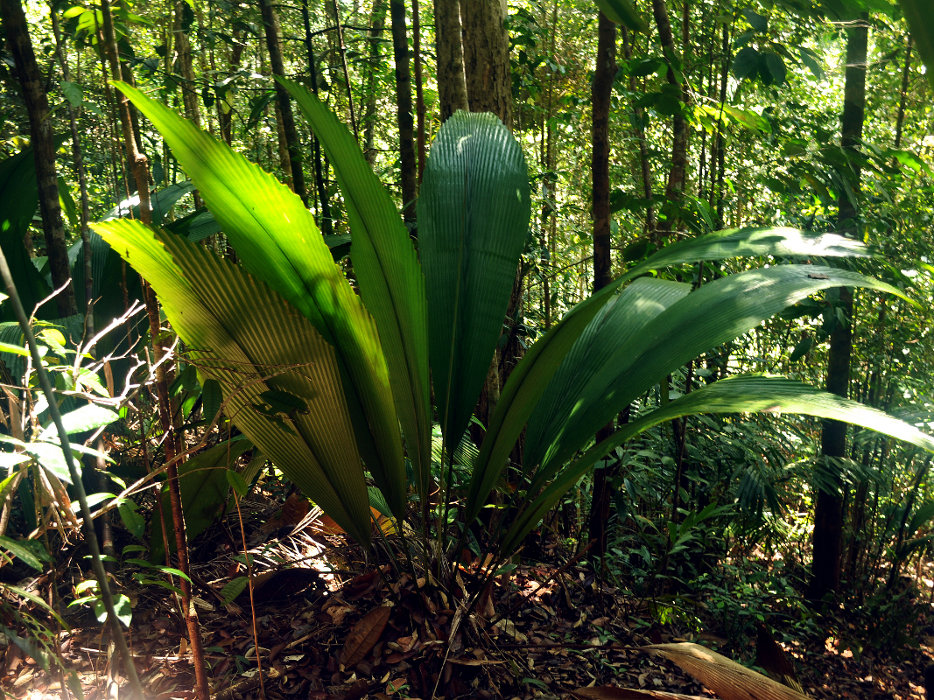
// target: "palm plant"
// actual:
[[331, 385]]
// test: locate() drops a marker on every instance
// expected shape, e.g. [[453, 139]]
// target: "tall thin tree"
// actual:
[[828, 511], [43, 148], [407, 165], [601, 91], [283, 103]]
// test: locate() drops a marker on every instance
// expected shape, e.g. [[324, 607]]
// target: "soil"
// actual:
[[331, 625]]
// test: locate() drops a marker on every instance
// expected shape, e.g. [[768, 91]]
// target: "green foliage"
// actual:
[[473, 213]]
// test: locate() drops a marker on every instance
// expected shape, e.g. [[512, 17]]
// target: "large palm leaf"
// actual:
[[277, 241], [473, 217], [744, 393], [388, 273], [279, 376], [530, 379]]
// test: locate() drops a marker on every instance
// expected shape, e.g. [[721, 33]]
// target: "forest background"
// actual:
[[658, 128]]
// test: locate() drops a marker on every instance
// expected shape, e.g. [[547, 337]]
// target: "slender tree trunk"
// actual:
[[717, 178], [293, 162], [400, 48], [452, 82], [645, 168], [183, 63], [419, 88], [677, 176], [43, 147], [903, 96], [601, 91], [81, 174], [224, 116], [378, 19], [343, 52], [184, 67], [486, 58], [828, 513], [327, 224], [140, 168]]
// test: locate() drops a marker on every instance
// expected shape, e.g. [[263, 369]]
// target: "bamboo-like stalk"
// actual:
[[140, 167], [96, 562]]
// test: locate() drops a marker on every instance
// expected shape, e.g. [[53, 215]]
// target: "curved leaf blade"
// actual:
[[389, 275], [741, 394], [473, 214], [272, 351], [716, 313], [278, 242], [529, 380]]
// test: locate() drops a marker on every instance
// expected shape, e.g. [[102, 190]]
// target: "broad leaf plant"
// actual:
[[335, 387]]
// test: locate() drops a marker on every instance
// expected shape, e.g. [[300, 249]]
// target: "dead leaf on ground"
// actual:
[[608, 692], [725, 677], [363, 636]]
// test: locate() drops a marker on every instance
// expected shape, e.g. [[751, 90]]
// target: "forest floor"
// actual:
[[543, 632]]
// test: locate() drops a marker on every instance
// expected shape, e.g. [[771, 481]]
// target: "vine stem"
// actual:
[[97, 563]]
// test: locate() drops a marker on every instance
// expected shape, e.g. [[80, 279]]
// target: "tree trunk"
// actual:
[[183, 64], [828, 513], [225, 116], [677, 176], [342, 48], [486, 58], [293, 163], [645, 167], [419, 88], [400, 49], [378, 19], [43, 147], [452, 82], [327, 224], [601, 90]]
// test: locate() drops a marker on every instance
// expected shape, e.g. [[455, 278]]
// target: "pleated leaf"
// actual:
[[277, 241], [741, 394], [279, 376], [603, 343], [473, 216], [716, 313], [388, 273], [773, 241], [529, 380], [532, 378]]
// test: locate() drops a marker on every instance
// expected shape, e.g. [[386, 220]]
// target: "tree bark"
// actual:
[[452, 82], [327, 224], [43, 147], [400, 48], [378, 19], [183, 64], [601, 91], [342, 48], [828, 512], [677, 176], [419, 88], [486, 58], [139, 166], [293, 163]]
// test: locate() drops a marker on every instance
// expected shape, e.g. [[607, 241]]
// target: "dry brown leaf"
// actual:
[[725, 677], [363, 636], [608, 692], [468, 661]]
